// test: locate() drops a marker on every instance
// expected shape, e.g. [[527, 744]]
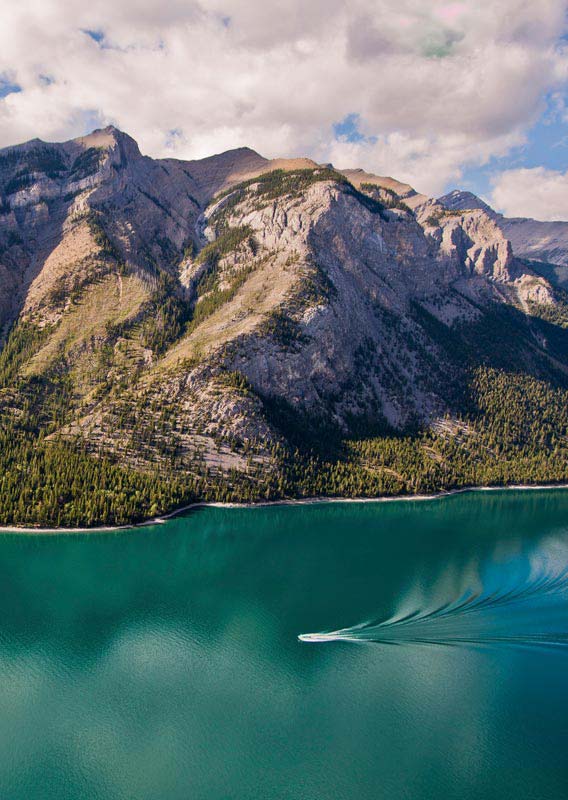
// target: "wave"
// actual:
[[533, 612]]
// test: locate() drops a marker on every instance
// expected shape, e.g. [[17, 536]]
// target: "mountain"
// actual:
[[543, 244], [459, 200], [237, 328]]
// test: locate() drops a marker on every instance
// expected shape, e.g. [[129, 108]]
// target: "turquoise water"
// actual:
[[164, 663]]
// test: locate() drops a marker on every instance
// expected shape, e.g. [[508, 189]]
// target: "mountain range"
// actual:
[[238, 328]]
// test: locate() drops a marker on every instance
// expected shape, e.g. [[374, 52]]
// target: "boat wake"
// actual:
[[533, 612]]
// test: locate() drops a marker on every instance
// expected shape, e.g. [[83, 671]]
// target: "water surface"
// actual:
[[165, 662]]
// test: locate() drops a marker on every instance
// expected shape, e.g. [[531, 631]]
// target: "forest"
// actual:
[[518, 434]]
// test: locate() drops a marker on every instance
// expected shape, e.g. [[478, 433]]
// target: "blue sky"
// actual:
[[546, 146], [349, 129], [7, 87]]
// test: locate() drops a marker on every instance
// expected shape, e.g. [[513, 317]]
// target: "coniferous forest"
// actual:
[[518, 435]]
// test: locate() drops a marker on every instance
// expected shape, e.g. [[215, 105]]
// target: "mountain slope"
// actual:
[[239, 328]]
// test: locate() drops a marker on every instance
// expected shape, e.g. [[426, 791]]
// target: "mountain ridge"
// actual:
[[246, 328]]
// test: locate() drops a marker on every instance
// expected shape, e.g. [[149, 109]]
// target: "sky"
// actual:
[[437, 93]]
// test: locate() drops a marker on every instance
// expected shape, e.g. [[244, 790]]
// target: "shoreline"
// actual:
[[291, 502]]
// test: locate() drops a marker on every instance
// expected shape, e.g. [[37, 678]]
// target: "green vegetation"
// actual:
[[168, 314], [387, 198], [159, 321], [270, 186], [506, 427], [292, 183], [556, 314], [318, 287], [18, 182], [214, 289], [434, 219], [372, 205], [42, 159], [517, 432], [233, 379], [164, 315], [211, 297], [285, 330], [108, 251], [14, 239], [87, 163], [24, 341], [227, 242], [57, 483]]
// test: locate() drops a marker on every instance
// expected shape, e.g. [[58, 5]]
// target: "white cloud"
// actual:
[[440, 84], [538, 193]]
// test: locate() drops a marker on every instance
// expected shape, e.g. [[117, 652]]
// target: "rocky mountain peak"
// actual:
[[458, 200], [544, 244], [121, 147]]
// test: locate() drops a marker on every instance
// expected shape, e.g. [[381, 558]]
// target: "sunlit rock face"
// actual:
[[532, 239]]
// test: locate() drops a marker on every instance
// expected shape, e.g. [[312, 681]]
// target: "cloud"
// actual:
[[433, 86], [538, 192]]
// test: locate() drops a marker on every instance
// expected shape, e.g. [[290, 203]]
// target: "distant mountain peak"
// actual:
[[460, 200], [109, 138]]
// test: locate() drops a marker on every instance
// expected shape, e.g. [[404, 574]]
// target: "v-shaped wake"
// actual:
[[532, 613]]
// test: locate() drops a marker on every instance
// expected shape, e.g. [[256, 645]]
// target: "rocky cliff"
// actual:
[[545, 243]]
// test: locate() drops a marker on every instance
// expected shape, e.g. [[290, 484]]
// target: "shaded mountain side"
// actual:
[[239, 328]]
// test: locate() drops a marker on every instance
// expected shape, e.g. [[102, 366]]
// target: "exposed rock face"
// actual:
[[532, 239], [185, 298]]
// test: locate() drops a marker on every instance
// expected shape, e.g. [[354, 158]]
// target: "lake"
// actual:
[[164, 662]]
